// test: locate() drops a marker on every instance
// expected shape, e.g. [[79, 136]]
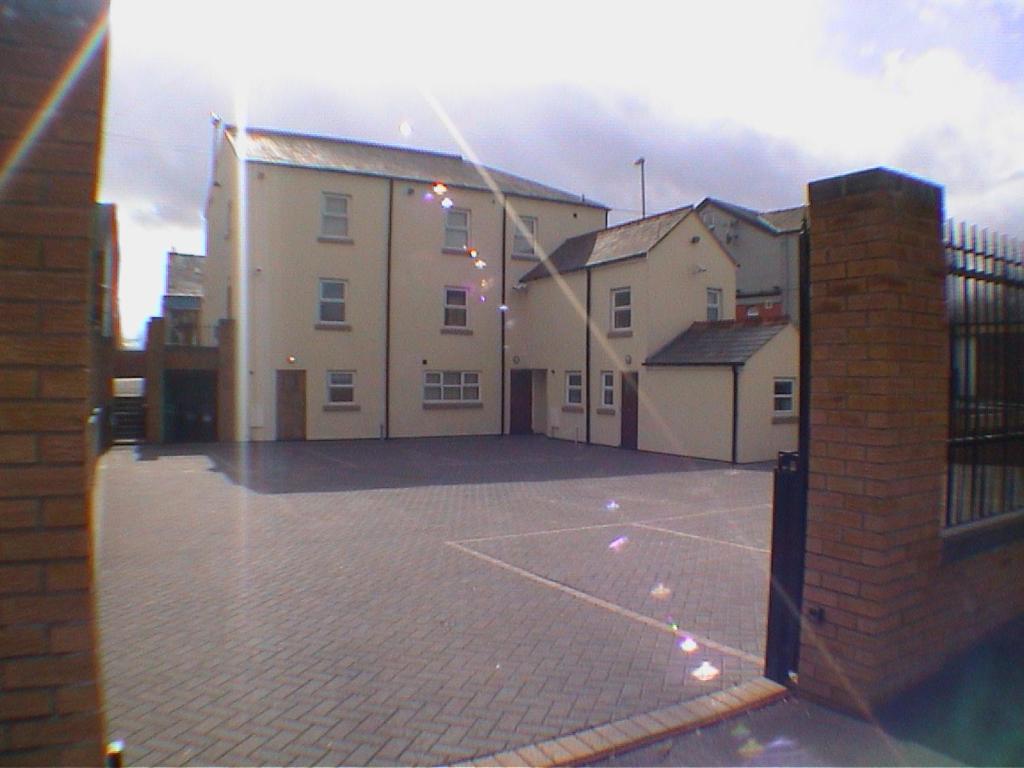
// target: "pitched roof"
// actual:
[[625, 241], [775, 222], [332, 154], [726, 342], [184, 274]]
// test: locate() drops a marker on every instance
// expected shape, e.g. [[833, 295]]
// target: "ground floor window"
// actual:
[[573, 388], [341, 386], [451, 386], [784, 397], [607, 388]]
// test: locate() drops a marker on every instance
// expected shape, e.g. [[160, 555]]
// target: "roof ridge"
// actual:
[[341, 140], [636, 222]]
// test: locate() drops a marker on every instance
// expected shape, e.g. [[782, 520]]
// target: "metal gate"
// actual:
[[789, 513]]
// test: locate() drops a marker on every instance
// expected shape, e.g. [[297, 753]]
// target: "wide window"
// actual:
[[525, 237], [622, 309], [455, 308], [607, 388], [714, 304], [334, 215], [332, 301], [456, 229], [784, 397], [573, 388], [451, 386], [341, 387]]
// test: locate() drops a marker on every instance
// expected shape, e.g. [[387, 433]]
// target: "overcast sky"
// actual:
[[747, 101]]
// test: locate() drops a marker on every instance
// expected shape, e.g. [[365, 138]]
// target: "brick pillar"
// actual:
[[155, 352], [226, 355], [879, 400], [50, 711]]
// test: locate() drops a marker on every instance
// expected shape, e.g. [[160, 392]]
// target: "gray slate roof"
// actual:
[[185, 274], [787, 219], [782, 220], [624, 241], [726, 342], [332, 154]]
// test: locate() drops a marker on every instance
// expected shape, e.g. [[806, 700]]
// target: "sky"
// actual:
[[747, 101]]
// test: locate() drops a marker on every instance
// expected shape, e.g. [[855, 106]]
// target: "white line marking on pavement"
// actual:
[[599, 603], [700, 538]]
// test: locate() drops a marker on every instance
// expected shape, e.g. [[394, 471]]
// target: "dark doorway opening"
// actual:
[[520, 418], [190, 406], [291, 405], [630, 409]]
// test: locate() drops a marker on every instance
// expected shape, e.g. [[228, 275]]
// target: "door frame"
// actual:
[[300, 432]]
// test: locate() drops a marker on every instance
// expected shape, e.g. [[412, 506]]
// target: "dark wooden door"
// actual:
[[630, 409], [291, 405], [520, 417]]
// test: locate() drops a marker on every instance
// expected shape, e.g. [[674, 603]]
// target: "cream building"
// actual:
[[630, 341], [371, 285]]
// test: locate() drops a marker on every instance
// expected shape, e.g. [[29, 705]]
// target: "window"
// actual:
[[607, 388], [622, 312], [524, 238], [573, 388], [783, 397], [455, 308], [332, 301], [334, 216], [451, 386], [714, 304], [341, 387], [456, 229]]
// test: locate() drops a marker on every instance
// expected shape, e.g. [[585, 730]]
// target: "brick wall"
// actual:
[[896, 604], [49, 697]]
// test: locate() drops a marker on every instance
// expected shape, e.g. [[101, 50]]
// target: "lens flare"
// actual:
[[619, 544], [503, 307], [751, 748], [688, 645], [612, 505], [479, 263], [447, 203], [706, 671], [439, 188], [660, 592]]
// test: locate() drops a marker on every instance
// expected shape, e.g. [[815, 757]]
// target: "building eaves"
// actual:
[[726, 342], [274, 147], [633, 239]]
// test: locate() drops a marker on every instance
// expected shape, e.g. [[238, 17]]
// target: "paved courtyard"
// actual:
[[415, 601]]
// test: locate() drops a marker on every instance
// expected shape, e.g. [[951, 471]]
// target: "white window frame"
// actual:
[[573, 392], [323, 301], [608, 389], [336, 384], [462, 230], [339, 218], [451, 386], [714, 304], [620, 310], [464, 307], [524, 243], [781, 397]]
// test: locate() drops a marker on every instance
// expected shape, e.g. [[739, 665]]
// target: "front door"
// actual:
[[520, 417], [630, 409], [291, 405]]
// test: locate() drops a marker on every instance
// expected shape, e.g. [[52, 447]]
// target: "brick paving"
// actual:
[[414, 601]]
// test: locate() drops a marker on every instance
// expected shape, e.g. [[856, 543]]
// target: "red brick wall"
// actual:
[[896, 605], [50, 702]]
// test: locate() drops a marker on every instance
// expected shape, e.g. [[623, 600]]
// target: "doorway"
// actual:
[[520, 417], [630, 409], [291, 405]]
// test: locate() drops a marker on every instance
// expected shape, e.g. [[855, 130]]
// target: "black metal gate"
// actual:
[[789, 513]]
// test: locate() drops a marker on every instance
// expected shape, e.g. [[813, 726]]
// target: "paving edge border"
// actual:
[[587, 746]]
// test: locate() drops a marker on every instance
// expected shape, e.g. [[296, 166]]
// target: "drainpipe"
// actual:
[[735, 409], [502, 317], [586, 377], [387, 315]]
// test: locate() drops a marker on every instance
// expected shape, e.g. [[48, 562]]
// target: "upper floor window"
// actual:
[[525, 237], [451, 386], [714, 304], [334, 215], [332, 301], [608, 388], [456, 229], [783, 397], [455, 308], [341, 386], [622, 309], [573, 388]]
